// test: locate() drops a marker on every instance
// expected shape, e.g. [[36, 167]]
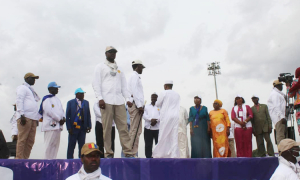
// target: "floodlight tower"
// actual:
[[214, 69]]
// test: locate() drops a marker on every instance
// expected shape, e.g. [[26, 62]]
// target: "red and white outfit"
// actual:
[[243, 137]]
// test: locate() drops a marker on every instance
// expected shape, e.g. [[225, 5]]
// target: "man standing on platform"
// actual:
[[135, 89], [28, 116], [110, 89], [99, 131], [262, 127], [78, 122], [182, 133], [53, 120], [169, 104], [276, 105], [151, 130], [90, 170]]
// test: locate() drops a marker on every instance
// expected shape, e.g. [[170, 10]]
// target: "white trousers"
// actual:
[[52, 140], [183, 145]]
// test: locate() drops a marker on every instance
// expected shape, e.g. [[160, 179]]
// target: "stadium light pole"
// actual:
[[214, 69]]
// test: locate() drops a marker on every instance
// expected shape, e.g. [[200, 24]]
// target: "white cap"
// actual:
[[138, 62], [169, 82], [255, 96], [154, 93], [240, 96], [108, 48], [199, 96]]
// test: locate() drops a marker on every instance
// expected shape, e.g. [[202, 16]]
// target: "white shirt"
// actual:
[[53, 112], [76, 177], [151, 112], [135, 88], [231, 135], [276, 105], [112, 89], [26, 103], [286, 170], [98, 113], [14, 124]]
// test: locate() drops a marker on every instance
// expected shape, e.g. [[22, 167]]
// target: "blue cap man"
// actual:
[[78, 121]]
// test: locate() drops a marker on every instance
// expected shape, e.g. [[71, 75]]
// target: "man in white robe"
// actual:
[[53, 120], [169, 104], [182, 135]]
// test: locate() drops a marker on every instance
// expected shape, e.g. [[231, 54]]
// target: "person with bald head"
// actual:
[[169, 104], [220, 128]]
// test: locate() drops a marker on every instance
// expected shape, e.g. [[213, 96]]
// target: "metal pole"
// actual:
[[215, 80]]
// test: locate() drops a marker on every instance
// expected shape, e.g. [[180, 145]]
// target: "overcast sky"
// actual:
[[63, 41]]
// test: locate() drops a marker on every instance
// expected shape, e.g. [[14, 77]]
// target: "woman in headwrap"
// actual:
[[294, 91], [220, 128], [199, 125], [242, 114]]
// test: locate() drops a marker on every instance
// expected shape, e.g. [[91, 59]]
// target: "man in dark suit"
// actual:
[[78, 121], [262, 127]]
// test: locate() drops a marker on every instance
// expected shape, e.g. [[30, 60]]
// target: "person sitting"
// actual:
[[288, 168], [90, 158]]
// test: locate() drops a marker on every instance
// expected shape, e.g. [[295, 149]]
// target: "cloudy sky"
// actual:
[[63, 41]]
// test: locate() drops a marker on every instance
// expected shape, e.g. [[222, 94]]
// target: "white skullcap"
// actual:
[[169, 82], [199, 96], [255, 96], [154, 93], [240, 96]]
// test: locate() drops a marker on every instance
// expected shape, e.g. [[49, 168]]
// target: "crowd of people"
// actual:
[[166, 121]]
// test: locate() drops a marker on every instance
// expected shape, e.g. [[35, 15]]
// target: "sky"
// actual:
[[63, 41]]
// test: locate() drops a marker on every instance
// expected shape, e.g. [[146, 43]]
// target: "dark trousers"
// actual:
[[261, 145], [149, 135], [99, 138], [73, 139]]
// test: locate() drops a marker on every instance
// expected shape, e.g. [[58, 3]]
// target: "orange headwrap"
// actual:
[[219, 102]]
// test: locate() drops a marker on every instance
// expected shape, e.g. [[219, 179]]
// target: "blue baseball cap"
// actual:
[[53, 84], [79, 90]]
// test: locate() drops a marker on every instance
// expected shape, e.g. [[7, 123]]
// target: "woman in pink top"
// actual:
[[241, 115]]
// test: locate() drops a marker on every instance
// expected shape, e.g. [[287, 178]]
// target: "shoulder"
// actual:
[[71, 101], [204, 107], [73, 177]]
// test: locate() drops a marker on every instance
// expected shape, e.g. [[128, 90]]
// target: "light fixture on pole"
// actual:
[[213, 70]]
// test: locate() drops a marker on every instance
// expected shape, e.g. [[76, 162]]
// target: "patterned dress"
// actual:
[[219, 122]]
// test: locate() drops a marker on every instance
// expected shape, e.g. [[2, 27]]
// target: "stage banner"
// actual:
[[148, 169]]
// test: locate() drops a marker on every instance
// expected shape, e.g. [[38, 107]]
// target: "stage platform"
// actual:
[[149, 169]]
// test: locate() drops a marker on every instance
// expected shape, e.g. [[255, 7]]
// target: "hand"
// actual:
[[192, 132], [102, 104], [141, 110], [153, 122], [228, 131], [243, 124], [23, 120], [253, 132], [61, 122], [270, 130], [70, 131], [15, 137], [283, 121], [88, 130], [129, 104]]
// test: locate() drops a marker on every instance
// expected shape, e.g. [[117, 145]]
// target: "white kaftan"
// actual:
[[182, 133], [169, 104]]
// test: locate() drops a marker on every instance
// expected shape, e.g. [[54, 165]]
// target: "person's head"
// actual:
[[153, 98], [197, 100], [30, 78], [217, 104], [79, 93], [138, 66], [53, 88], [90, 157], [168, 85], [239, 100], [110, 53], [255, 99], [289, 150], [278, 85]]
